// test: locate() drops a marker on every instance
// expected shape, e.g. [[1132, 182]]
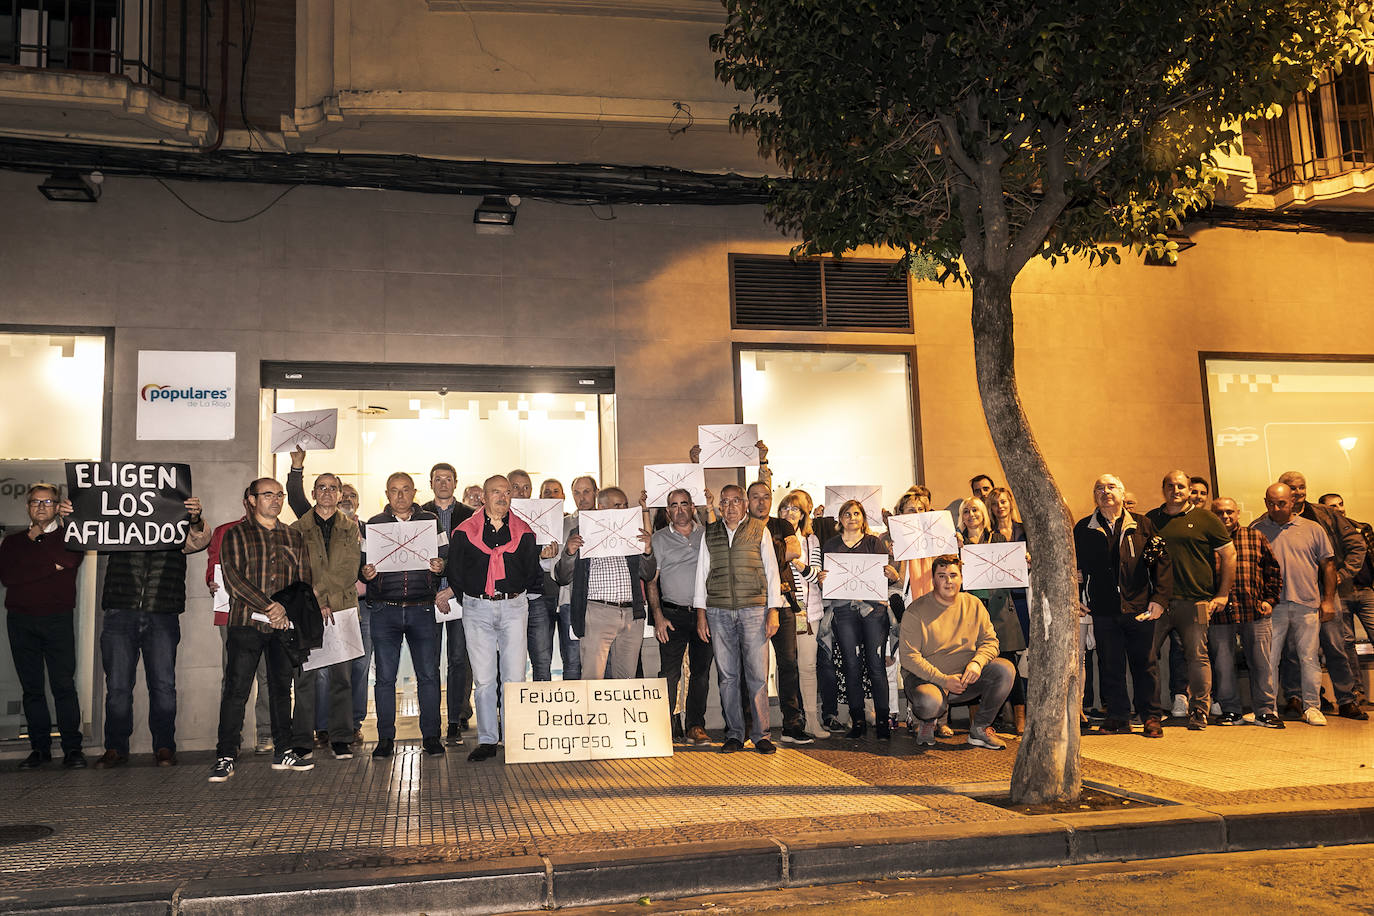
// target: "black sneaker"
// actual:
[[833, 724], [857, 730], [764, 746], [732, 745], [74, 760], [433, 747], [291, 760], [35, 760], [1352, 711], [1269, 720], [1228, 718], [342, 750], [454, 738], [483, 752], [882, 730], [1197, 721], [385, 747], [222, 770], [797, 735]]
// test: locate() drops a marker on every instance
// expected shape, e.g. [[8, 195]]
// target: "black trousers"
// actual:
[[683, 640], [244, 646], [1123, 643], [47, 642]]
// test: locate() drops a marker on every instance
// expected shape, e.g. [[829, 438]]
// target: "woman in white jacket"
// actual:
[[795, 508]]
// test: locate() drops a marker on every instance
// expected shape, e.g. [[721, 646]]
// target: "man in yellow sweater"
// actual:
[[949, 652]]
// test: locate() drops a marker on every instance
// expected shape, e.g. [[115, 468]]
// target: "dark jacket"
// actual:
[[1346, 543], [411, 586], [303, 611], [1122, 573], [153, 581], [572, 569]]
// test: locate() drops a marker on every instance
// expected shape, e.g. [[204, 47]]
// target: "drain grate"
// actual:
[[14, 834]]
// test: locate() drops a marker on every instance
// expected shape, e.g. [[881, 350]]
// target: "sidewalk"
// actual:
[[490, 837]]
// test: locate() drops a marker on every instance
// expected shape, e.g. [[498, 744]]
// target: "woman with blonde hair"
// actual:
[[978, 527]]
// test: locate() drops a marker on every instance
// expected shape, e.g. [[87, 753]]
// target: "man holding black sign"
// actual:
[[39, 576], [260, 557], [145, 590]]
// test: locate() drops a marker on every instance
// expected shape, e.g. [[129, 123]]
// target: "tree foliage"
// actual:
[[1002, 130]]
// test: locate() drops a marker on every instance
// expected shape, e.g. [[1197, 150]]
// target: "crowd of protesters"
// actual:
[[719, 584]]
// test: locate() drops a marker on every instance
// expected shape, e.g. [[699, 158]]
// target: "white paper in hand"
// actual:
[[609, 533], [401, 546], [730, 445], [220, 601], [922, 534], [312, 430], [343, 641], [454, 611], [871, 497], [662, 479], [544, 516], [995, 566], [855, 577]]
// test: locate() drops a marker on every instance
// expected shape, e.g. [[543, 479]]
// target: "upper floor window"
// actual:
[[1327, 131]]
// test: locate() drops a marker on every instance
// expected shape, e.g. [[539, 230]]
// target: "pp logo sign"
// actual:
[[1236, 435]]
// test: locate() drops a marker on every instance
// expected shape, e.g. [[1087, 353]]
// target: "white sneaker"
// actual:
[[1313, 716], [1180, 706], [1216, 709]]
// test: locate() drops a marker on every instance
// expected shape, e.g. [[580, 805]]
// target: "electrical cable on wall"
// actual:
[[217, 219]]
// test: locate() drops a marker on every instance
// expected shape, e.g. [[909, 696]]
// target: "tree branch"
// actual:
[[1042, 220]]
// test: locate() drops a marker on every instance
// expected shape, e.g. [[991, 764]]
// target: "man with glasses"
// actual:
[[143, 599], [332, 540], [259, 557], [39, 575], [443, 481], [677, 546], [737, 597], [402, 607]]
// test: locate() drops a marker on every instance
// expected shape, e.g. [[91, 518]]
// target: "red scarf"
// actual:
[[496, 556]]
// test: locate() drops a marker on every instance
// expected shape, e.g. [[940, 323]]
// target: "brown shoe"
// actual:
[[1153, 728], [321, 738], [358, 736], [165, 757], [697, 735], [111, 759]]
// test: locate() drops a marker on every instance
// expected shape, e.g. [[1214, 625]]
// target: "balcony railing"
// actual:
[[161, 44], [1324, 133]]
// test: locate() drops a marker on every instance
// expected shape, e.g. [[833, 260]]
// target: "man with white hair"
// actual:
[[1126, 578]]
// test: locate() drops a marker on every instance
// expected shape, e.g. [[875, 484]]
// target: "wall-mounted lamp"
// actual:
[[71, 185], [496, 215]]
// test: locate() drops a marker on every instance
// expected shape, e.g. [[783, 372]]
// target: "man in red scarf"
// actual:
[[492, 564]]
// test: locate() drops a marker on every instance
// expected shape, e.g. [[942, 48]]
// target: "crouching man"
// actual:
[[949, 655]]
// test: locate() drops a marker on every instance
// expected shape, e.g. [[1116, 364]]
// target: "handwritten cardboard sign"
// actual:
[[729, 445], [587, 720], [312, 430], [995, 566], [922, 534], [127, 505]]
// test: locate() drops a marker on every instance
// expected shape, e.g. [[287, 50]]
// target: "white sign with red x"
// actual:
[[312, 430], [402, 546], [922, 534], [995, 566], [730, 445]]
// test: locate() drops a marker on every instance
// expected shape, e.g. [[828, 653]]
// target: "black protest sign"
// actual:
[[127, 505]]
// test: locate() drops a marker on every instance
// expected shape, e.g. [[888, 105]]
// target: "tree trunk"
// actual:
[[1047, 765]]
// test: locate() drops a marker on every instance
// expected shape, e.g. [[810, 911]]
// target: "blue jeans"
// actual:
[[1331, 642], [124, 636], [498, 634], [1257, 638], [1360, 604], [739, 643], [1298, 624], [358, 667], [543, 619], [568, 649], [854, 631], [416, 623]]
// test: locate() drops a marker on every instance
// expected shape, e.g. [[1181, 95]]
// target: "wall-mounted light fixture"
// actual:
[[496, 215], [71, 185]]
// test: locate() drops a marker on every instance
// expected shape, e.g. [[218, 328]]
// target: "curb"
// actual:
[[726, 866]]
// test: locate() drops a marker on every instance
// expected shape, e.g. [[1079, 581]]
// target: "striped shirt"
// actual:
[[257, 563]]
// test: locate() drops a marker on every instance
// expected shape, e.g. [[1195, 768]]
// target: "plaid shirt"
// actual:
[[257, 563], [1258, 578], [609, 579]]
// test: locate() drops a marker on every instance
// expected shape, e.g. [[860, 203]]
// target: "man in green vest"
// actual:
[[738, 595]]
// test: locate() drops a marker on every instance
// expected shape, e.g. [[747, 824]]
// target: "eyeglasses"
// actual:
[[796, 509], [268, 494], [327, 489], [42, 502]]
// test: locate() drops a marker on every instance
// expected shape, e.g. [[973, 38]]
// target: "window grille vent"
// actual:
[[818, 294]]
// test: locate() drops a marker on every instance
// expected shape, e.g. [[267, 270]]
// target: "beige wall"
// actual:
[[1108, 356]]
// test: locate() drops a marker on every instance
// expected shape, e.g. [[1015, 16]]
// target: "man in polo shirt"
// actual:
[[607, 599], [402, 606], [677, 547], [737, 598], [949, 649], [1198, 544], [1309, 589], [1348, 549], [493, 563], [259, 557]]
